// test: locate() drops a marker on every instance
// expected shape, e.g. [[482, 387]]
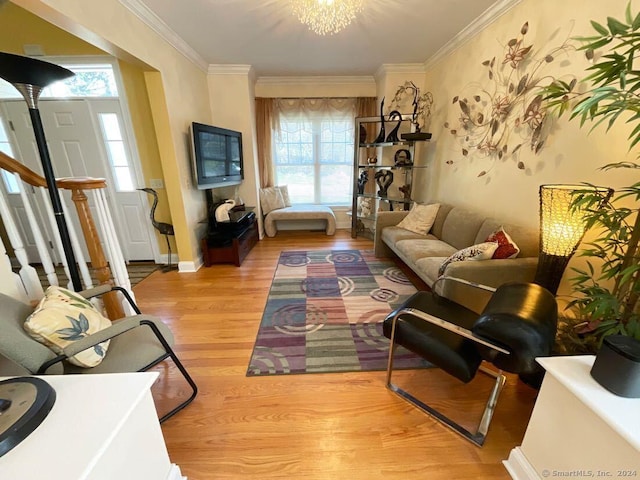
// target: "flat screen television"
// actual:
[[217, 156]]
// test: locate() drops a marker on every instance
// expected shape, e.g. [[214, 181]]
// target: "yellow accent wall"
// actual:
[[19, 27], [182, 88]]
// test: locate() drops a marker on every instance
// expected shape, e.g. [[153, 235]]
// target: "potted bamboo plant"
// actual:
[[607, 290]]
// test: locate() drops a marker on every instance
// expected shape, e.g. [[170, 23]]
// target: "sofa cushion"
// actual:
[[507, 248], [392, 235], [427, 268], [481, 251], [414, 250], [460, 228], [443, 211], [420, 219], [526, 238]]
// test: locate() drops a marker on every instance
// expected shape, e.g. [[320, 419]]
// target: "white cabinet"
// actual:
[[101, 427], [578, 429]]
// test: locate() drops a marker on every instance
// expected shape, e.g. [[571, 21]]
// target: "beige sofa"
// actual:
[[456, 228]]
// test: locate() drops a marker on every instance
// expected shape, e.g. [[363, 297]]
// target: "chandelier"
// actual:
[[326, 16]]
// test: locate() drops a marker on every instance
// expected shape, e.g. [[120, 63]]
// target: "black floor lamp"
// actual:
[[30, 76]]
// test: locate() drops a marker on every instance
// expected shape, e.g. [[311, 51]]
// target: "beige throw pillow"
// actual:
[[284, 191], [420, 219], [271, 199], [61, 318]]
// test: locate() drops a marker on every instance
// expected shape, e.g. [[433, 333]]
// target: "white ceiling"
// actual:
[[266, 35]]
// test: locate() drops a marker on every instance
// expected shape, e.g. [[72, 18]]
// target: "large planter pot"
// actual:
[[617, 366]]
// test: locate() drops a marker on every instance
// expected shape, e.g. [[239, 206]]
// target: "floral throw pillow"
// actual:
[[61, 318], [507, 248], [481, 251], [420, 219]]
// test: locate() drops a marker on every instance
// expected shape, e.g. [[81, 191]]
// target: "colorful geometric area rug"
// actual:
[[324, 314]]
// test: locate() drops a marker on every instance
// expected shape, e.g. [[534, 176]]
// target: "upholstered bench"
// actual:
[[299, 213]]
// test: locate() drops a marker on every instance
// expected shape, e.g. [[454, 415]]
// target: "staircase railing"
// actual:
[[100, 240]]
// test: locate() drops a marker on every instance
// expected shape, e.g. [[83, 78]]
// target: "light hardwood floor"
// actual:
[[316, 426]]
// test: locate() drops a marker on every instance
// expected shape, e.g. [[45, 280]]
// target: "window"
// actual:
[[10, 181], [313, 156], [116, 150], [90, 80]]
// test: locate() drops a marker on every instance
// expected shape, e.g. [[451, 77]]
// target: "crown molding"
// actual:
[[402, 68], [156, 24], [313, 80], [230, 69], [487, 17]]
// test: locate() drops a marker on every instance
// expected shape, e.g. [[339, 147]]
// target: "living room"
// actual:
[[325, 426]]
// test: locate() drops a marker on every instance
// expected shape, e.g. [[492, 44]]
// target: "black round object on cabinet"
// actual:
[[24, 403]]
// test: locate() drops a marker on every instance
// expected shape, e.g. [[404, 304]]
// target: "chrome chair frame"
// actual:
[[478, 437]]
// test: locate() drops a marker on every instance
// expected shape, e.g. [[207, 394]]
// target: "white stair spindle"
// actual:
[[10, 282], [27, 273], [77, 249], [112, 246], [41, 244]]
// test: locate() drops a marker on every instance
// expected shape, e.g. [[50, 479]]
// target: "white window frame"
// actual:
[[316, 122]]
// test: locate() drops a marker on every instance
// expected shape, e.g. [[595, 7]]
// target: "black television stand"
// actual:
[[230, 242]]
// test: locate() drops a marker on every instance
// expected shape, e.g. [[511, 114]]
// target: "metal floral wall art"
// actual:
[[498, 120]]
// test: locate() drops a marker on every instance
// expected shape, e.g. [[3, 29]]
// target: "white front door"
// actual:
[[77, 149]]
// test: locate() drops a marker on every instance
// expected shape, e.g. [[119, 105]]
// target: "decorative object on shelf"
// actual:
[[372, 160], [416, 136], [222, 211], [405, 190], [562, 226], [402, 158], [30, 76], [362, 181], [366, 206], [498, 119], [382, 135], [421, 104], [326, 17], [384, 179], [393, 134], [363, 134]]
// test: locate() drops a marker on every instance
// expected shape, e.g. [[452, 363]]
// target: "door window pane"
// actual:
[[117, 152], [10, 181]]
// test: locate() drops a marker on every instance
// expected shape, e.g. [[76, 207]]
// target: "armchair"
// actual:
[[517, 325], [137, 343]]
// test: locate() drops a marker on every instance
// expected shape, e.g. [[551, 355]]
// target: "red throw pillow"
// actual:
[[506, 246]]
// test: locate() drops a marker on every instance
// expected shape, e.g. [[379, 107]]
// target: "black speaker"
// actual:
[[617, 366]]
